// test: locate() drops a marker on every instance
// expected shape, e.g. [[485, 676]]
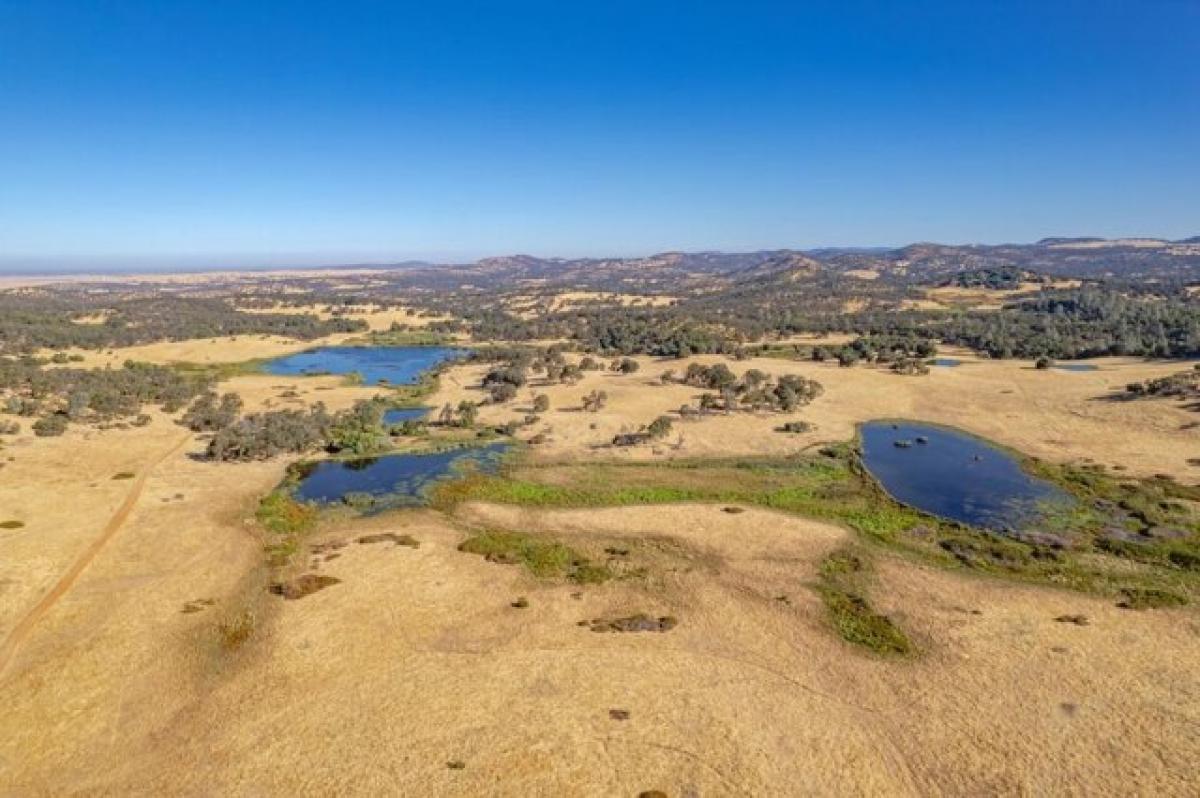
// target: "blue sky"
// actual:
[[215, 133]]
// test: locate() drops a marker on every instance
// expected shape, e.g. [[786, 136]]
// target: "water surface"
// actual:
[[396, 479], [954, 475], [398, 365], [946, 362], [398, 415], [1074, 366]]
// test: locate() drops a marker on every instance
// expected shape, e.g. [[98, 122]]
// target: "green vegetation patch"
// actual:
[[844, 578], [823, 487], [831, 486], [288, 520], [1142, 598], [546, 559], [216, 372], [412, 337]]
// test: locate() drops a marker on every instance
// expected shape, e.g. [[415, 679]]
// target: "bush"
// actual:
[[263, 435], [660, 427], [50, 426], [208, 413]]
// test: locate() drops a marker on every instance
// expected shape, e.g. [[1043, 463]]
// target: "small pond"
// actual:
[[398, 365], [945, 362], [1075, 366], [392, 479], [954, 475], [398, 415]]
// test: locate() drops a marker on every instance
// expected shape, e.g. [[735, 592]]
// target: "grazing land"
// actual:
[[681, 576]]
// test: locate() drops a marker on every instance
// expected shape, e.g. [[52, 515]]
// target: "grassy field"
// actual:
[[831, 486]]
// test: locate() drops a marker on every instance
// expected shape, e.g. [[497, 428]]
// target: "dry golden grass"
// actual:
[[529, 306], [230, 349], [126, 681], [1056, 414], [418, 658], [983, 298], [377, 318]]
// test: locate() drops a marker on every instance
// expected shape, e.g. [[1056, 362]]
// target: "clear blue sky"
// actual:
[[239, 132]]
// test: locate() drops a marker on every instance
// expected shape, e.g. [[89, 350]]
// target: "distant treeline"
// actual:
[[1063, 324], [33, 319]]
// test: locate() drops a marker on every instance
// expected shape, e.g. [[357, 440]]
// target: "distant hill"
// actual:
[[924, 263]]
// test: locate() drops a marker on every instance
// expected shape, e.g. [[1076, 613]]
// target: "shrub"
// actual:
[[50, 426], [660, 427], [208, 413]]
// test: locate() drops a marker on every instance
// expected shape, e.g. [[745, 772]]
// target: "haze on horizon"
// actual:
[[200, 135]]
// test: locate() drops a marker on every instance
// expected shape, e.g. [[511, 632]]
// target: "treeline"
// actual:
[[259, 436], [60, 396], [998, 278], [754, 390], [1157, 320], [1068, 324], [1084, 323], [58, 320]]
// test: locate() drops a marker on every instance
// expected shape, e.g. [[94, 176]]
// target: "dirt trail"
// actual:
[[20, 632]]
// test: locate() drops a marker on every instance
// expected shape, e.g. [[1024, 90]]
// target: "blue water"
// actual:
[[398, 365], [1075, 366], [955, 476], [947, 362], [401, 414], [396, 478]]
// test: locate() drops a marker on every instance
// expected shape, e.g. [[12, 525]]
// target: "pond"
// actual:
[[946, 362], [954, 475], [398, 415], [398, 365], [393, 479], [1075, 366]]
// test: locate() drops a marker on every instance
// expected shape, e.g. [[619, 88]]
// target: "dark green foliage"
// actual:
[[208, 413], [660, 427], [29, 321], [1145, 598], [844, 577], [50, 426], [910, 366], [625, 365], [358, 430], [261, 436], [93, 395], [1184, 385]]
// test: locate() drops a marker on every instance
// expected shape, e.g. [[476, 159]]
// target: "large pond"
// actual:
[[393, 479], [954, 475], [398, 365]]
